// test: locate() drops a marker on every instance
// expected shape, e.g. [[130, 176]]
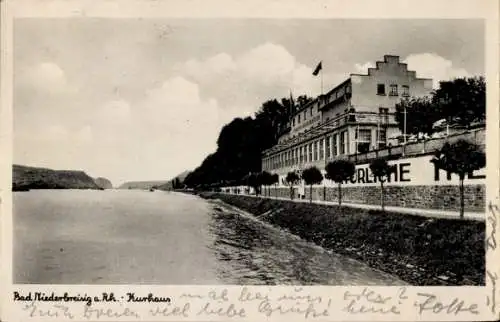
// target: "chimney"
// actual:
[[391, 59]]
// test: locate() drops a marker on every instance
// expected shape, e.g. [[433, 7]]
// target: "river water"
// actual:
[[142, 237]]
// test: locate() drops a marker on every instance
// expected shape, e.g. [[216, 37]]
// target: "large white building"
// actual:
[[355, 116]]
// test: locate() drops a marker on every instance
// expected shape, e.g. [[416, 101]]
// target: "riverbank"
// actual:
[[419, 250]]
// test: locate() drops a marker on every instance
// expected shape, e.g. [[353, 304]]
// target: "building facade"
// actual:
[[356, 116]]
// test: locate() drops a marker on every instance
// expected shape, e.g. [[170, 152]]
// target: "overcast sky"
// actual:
[[132, 99]]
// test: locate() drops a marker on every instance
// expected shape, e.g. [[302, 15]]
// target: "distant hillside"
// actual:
[[103, 183], [168, 184], [25, 178], [141, 184]]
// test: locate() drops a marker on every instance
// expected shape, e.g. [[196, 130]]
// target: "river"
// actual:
[[142, 237]]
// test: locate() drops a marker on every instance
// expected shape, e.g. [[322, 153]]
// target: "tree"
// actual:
[[303, 100], [381, 170], [340, 171], [461, 100], [265, 179], [241, 142], [461, 158], [312, 176], [250, 181], [292, 178], [275, 178], [421, 114], [177, 183]]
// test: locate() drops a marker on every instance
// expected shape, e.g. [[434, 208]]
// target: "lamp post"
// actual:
[[404, 129], [378, 130]]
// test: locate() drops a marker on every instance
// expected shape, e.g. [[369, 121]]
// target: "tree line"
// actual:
[[461, 101], [241, 142]]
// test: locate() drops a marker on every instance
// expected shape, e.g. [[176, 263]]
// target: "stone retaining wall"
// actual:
[[445, 197]]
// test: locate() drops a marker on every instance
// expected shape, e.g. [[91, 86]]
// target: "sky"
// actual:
[[145, 99]]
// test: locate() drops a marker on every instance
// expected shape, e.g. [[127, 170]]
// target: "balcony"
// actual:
[[428, 146], [352, 118]]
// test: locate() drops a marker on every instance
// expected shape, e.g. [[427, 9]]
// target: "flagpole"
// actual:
[[321, 79]]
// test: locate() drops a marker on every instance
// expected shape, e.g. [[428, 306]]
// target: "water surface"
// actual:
[[142, 237]]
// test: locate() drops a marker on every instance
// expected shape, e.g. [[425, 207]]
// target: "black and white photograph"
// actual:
[[249, 151]]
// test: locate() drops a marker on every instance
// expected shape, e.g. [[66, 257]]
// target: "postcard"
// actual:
[[249, 160]]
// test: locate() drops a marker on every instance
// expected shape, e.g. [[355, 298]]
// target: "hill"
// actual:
[[26, 178], [103, 183], [168, 185], [145, 185]]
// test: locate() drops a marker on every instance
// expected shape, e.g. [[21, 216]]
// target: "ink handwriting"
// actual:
[[492, 218], [310, 311], [430, 303], [93, 313], [369, 301], [55, 311]]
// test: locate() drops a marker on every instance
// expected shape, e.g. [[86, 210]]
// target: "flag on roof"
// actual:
[[318, 68]]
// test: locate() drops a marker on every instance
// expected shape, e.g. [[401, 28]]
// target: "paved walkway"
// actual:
[[433, 213]]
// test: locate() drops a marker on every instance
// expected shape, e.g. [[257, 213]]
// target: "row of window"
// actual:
[[311, 110], [331, 146], [393, 90]]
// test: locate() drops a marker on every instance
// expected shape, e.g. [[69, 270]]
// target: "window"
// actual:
[[380, 89], [310, 153], [327, 148], [311, 111], [394, 90], [364, 135], [335, 148], [298, 119], [305, 115], [300, 154], [321, 149], [406, 90], [343, 142], [363, 140], [293, 122], [296, 155], [315, 151], [384, 115], [382, 138]]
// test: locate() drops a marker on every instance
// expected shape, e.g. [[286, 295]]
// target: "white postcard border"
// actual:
[[486, 298]]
